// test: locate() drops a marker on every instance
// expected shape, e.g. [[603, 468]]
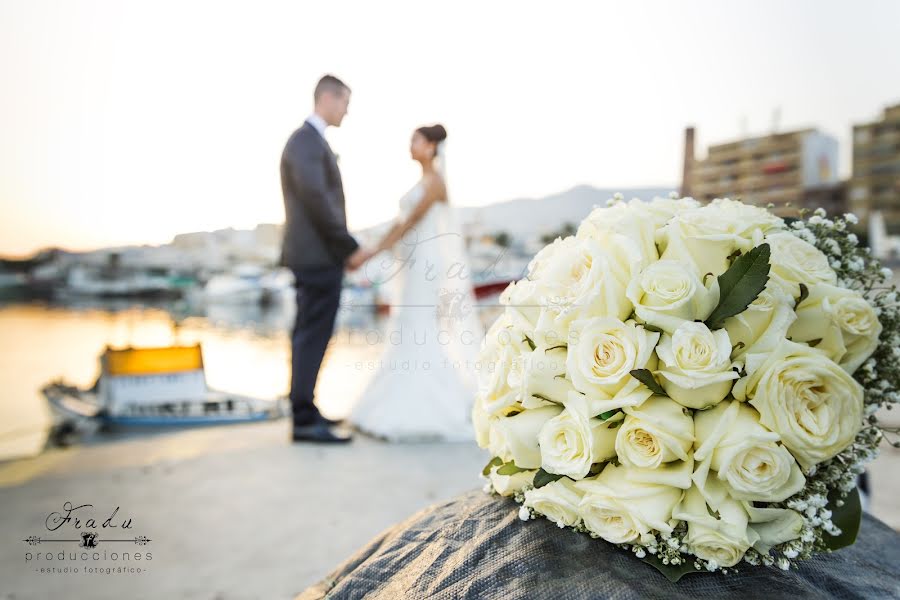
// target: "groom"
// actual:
[[317, 247]]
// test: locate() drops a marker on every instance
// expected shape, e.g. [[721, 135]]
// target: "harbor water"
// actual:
[[246, 350]]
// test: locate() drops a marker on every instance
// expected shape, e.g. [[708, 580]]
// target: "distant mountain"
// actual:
[[528, 216], [521, 217]]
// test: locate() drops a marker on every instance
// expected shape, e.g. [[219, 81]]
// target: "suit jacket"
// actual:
[[315, 229]]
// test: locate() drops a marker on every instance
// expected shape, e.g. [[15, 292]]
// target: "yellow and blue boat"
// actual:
[[155, 387]]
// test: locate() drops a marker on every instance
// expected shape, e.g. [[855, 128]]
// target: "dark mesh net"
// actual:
[[475, 546]]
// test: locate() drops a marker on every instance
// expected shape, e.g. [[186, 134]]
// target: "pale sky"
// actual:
[[128, 122]]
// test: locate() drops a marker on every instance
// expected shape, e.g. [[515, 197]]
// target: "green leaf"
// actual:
[[556, 347], [530, 342], [509, 468], [804, 294], [542, 478], [609, 414], [597, 468], [646, 377], [814, 343], [494, 462], [652, 328], [847, 518], [672, 572], [741, 284]]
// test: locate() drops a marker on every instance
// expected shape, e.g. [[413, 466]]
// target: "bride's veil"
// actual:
[[456, 304]]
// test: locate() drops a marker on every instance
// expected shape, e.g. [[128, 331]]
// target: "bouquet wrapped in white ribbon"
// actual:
[[696, 383]]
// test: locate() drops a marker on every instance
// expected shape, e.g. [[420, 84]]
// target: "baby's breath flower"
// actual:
[[879, 376]]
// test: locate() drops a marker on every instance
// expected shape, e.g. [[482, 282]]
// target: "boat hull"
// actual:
[[80, 410], [159, 422]]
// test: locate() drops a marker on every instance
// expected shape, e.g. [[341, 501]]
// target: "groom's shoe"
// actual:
[[318, 433], [330, 422]]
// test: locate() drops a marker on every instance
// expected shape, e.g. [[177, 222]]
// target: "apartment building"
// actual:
[[875, 183], [780, 168]]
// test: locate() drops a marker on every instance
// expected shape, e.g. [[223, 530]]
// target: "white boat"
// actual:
[[278, 286], [243, 285], [154, 387], [250, 284], [85, 281]]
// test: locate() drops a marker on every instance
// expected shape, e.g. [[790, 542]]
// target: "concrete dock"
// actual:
[[232, 512]]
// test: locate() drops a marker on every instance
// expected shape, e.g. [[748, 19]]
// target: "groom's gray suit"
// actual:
[[316, 244]]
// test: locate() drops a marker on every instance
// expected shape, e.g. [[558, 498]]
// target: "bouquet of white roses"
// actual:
[[696, 383]]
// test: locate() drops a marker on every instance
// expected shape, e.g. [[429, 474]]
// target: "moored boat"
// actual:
[[154, 387]]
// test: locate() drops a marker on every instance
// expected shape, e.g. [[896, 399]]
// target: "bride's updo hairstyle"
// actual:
[[433, 133]]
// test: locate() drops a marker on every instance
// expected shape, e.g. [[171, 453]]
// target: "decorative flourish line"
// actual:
[[34, 540]]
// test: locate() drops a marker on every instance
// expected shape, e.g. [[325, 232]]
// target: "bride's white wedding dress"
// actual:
[[425, 380]]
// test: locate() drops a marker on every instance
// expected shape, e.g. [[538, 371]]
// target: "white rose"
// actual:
[[515, 438], [763, 324], [656, 432], [583, 278], [494, 392], [544, 262], [707, 236], [668, 293], [678, 473], [843, 322], [502, 333], [633, 220], [794, 261], [718, 531], [622, 511], [522, 305], [661, 210], [695, 365], [508, 485], [558, 501], [502, 345], [538, 377], [601, 355], [805, 397], [481, 423], [572, 441], [744, 454], [773, 526]]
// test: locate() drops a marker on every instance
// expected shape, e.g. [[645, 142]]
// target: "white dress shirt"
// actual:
[[317, 122]]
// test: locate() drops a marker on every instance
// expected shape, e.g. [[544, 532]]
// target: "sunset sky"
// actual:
[[128, 122]]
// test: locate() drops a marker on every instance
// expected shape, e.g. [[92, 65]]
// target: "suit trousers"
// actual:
[[318, 297]]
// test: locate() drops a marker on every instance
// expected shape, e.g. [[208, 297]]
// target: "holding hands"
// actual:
[[359, 256]]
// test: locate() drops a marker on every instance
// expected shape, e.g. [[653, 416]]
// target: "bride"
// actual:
[[425, 382]]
